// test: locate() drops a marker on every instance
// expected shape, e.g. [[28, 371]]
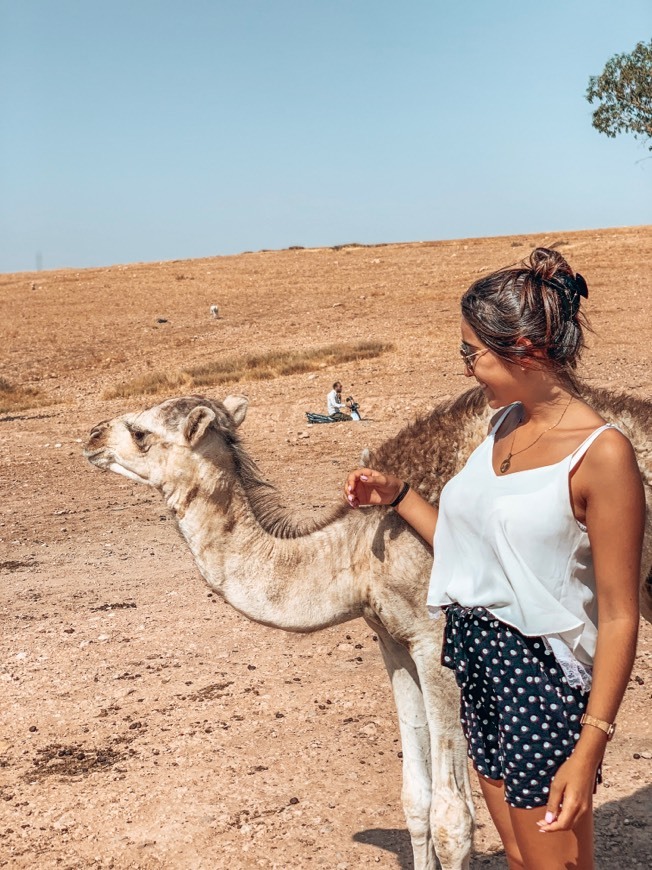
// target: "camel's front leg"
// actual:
[[415, 743], [452, 812]]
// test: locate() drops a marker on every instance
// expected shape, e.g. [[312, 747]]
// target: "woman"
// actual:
[[541, 529]]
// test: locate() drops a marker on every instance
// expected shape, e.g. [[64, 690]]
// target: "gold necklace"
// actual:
[[505, 464]]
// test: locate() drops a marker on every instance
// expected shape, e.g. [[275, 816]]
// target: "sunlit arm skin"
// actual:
[[365, 486], [609, 485]]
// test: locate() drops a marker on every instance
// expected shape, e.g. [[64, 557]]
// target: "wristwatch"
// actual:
[[609, 728]]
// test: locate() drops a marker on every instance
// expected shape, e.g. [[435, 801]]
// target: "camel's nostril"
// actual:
[[96, 431]]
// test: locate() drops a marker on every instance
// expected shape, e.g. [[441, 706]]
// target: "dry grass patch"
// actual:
[[19, 398], [251, 367]]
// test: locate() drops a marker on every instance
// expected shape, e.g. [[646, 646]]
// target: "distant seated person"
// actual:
[[335, 403]]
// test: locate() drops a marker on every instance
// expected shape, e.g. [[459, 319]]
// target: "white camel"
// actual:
[[303, 573]]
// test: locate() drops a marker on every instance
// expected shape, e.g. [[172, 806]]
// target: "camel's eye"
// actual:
[[139, 436]]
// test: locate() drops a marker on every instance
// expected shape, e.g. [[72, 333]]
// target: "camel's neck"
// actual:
[[299, 583]]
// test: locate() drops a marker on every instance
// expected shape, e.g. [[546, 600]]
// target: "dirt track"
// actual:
[[143, 722]]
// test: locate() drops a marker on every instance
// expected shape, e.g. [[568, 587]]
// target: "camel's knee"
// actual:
[[416, 806], [451, 824]]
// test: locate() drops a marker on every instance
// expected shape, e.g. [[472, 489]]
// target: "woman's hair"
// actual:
[[539, 299]]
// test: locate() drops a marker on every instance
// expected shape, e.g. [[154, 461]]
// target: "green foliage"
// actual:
[[624, 93]]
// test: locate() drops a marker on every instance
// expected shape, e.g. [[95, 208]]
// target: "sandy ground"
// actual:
[[145, 724]]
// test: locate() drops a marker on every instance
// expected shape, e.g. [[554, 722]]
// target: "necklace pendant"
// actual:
[[504, 465]]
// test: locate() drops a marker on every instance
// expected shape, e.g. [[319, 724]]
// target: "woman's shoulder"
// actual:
[[610, 445], [607, 457]]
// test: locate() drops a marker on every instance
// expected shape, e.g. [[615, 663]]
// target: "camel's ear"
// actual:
[[237, 408], [196, 423]]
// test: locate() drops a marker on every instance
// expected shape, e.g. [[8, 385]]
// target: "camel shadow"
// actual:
[[397, 840], [621, 837]]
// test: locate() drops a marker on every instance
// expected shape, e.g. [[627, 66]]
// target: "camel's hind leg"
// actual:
[[416, 794]]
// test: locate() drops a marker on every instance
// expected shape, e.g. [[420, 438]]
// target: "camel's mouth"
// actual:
[[106, 461], [98, 457], [126, 472]]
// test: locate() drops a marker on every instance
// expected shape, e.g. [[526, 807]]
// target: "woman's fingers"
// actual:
[[567, 819], [366, 486], [562, 816], [554, 806], [352, 488]]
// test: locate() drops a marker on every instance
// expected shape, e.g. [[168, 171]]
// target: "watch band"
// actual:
[[608, 727]]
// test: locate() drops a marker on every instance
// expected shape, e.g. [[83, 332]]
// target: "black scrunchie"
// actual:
[[569, 290]]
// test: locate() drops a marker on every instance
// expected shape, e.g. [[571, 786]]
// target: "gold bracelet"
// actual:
[[609, 728]]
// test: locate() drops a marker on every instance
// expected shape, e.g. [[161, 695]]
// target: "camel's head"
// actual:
[[157, 446]]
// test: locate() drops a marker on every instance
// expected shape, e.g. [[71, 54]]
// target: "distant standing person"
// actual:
[[335, 404]]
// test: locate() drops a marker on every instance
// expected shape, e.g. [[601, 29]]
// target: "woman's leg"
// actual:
[[525, 846], [559, 850], [493, 791]]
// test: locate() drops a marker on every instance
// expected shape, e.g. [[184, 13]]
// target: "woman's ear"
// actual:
[[534, 355]]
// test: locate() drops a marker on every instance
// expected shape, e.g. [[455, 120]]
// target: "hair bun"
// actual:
[[546, 263], [552, 270]]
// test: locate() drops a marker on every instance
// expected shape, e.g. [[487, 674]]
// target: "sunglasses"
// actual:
[[470, 356]]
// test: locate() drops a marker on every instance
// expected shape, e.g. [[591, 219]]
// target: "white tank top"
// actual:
[[512, 545]]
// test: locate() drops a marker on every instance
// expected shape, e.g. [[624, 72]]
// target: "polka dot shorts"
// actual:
[[519, 715]]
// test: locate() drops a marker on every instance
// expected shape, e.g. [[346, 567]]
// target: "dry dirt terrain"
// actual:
[[145, 724]]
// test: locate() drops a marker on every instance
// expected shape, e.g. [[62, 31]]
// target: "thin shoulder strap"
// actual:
[[584, 446], [503, 417]]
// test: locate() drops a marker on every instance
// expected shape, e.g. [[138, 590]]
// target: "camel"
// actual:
[[306, 572]]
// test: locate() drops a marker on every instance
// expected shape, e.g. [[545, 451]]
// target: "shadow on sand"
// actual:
[[622, 837]]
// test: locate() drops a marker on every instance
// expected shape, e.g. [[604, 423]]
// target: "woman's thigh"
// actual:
[[493, 791], [525, 846], [558, 850]]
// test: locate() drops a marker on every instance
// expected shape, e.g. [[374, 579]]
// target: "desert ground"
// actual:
[[144, 723]]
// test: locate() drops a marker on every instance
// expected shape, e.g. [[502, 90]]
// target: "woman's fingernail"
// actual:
[[549, 818], [363, 477]]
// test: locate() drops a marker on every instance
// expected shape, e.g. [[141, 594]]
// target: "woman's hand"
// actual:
[[571, 794], [365, 486]]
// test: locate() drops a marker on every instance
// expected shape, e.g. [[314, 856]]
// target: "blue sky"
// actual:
[[143, 130]]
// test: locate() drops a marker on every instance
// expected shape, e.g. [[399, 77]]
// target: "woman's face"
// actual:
[[501, 381]]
